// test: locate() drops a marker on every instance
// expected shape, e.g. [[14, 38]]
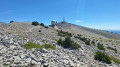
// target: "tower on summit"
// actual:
[[63, 18]]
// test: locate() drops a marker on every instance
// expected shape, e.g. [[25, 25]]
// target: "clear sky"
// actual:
[[100, 14]]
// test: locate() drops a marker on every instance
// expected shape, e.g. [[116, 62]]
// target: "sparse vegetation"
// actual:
[[44, 41], [112, 48], [31, 45], [39, 30], [93, 42], [75, 46], [41, 34], [100, 46], [79, 35], [60, 41], [21, 36], [101, 56], [35, 23], [6, 65], [68, 43], [115, 59], [56, 40], [42, 24], [49, 46], [87, 41], [81, 38], [63, 34]]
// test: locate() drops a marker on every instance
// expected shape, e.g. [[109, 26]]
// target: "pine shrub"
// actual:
[[101, 56], [68, 43], [100, 46], [35, 23]]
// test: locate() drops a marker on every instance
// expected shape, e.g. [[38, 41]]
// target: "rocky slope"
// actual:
[[13, 37], [87, 31], [99, 32]]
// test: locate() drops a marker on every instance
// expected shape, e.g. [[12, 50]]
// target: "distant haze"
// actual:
[[115, 31]]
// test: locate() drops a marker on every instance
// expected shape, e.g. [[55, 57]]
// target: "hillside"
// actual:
[[87, 31], [23, 44], [99, 32]]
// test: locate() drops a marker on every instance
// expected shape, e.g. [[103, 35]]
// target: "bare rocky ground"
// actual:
[[13, 37]]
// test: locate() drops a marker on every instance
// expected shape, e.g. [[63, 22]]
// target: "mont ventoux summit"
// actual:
[[62, 44]]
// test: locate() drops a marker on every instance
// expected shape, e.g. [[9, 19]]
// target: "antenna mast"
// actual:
[[63, 18]]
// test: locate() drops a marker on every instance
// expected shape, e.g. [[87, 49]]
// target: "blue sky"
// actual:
[[100, 14]]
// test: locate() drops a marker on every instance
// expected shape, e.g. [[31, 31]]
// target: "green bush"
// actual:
[[39, 30], [35, 23], [56, 40], [93, 42], [100, 46], [115, 59], [102, 57], [112, 48], [87, 41], [47, 46], [42, 24], [60, 41], [76, 46], [44, 41], [79, 35], [81, 38], [68, 43], [64, 34], [31, 45], [11, 21]]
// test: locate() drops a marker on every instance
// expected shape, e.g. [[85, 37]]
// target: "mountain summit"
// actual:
[[83, 30], [38, 45]]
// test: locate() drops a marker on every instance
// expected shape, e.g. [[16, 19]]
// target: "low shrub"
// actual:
[[31, 45], [39, 30], [87, 41], [47, 46], [101, 56], [60, 41], [100, 46], [76, 46], [35, 23], [68, 43], [64, 34], [44, 41], [11, 21], [112, 48], [93, 42], [42, 24], [115, 59], [81, 38], [56, 40]]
